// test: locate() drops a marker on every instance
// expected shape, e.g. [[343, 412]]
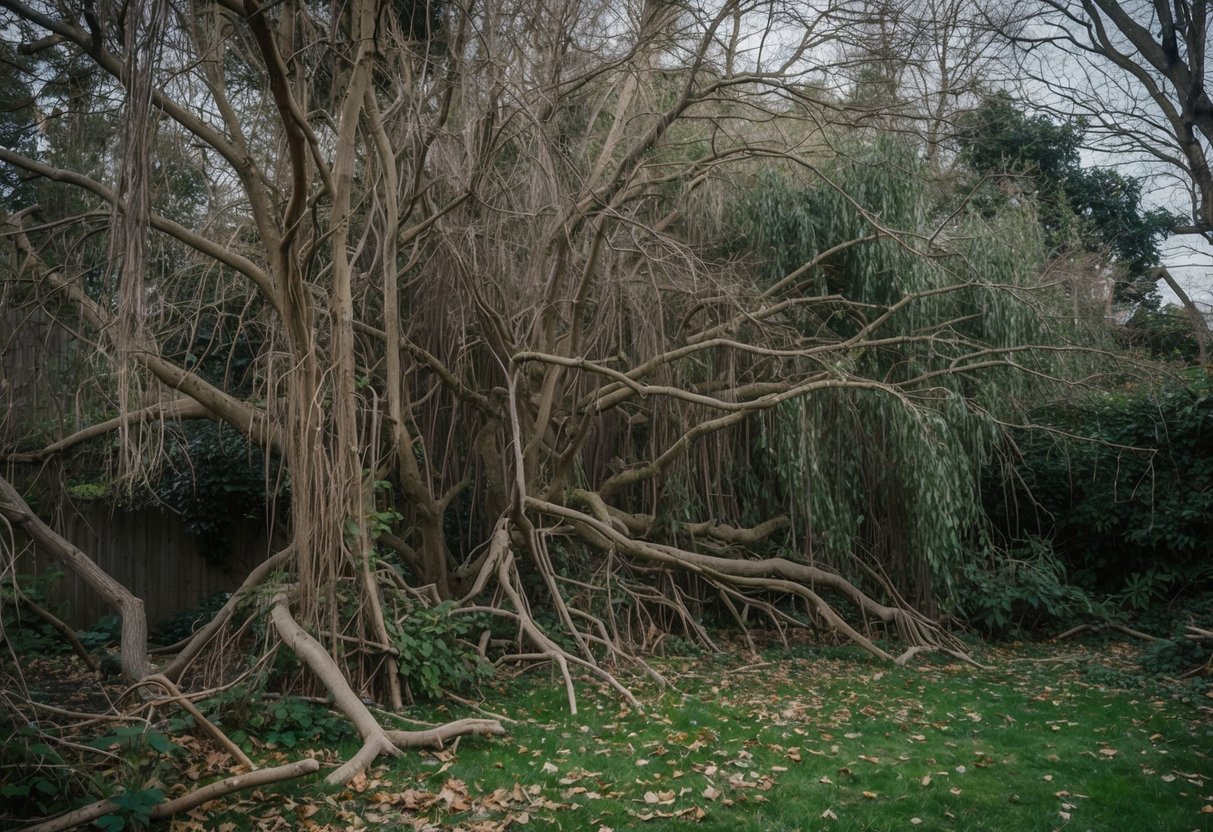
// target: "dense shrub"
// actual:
[[1126, 495], [184, 624], [1020, 591], [214, 477]]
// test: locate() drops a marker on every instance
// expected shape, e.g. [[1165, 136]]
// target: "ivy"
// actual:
[[214, 477]]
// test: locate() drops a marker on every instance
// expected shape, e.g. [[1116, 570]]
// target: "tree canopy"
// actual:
[[1095, 208]]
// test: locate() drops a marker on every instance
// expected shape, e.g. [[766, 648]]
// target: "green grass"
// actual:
[[824, 740]]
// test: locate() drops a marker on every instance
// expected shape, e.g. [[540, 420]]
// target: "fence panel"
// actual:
[[150, 553]]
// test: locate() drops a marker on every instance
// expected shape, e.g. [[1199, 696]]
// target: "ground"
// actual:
[[1061, 736]]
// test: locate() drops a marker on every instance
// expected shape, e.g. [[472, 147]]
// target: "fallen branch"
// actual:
[[771, 574], [133, 649], [176, 696], [904, 658], [211, 791], [376, 740], [1097, 628], [194, 645]]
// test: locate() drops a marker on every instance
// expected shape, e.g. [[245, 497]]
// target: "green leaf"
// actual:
[[114, 822]]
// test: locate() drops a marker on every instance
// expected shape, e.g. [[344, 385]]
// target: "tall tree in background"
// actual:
[[1081, 207], [934, 59], [1137, 74]]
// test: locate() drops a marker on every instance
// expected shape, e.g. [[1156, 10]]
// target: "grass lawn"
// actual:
[[815, 739]]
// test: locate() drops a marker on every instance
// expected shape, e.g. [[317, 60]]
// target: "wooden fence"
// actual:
[[147, 551], [34, 351], [150, 553]]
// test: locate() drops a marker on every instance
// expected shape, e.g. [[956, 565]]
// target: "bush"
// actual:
[[1177, 656], [1020, 591], [212, 478], [255, 719], [432, 655], [1174, 656], [1128, 506]]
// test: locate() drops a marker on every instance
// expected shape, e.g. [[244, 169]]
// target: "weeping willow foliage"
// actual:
[[897, 480]]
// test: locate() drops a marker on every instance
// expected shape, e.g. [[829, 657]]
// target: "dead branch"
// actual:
[[194, 645], [177, 697], [211, 791], [1098, 628], [776, 574]]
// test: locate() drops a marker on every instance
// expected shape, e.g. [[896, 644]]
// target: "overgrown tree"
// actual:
[[495, 266]]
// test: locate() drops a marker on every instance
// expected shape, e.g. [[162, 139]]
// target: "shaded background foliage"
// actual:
[[1126, 496]]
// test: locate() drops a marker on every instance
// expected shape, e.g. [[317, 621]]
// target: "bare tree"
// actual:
[[1137, 73]]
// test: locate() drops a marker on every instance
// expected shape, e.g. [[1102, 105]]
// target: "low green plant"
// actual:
[[432, 655], [89, 490], [144, 753], [1021, 590], [104, 633], [288, 722], [1175, 656], [134, 810], [33, 775], [679, 646], [255, 719], [26, 633], [1114, 678], [1144, 589]]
